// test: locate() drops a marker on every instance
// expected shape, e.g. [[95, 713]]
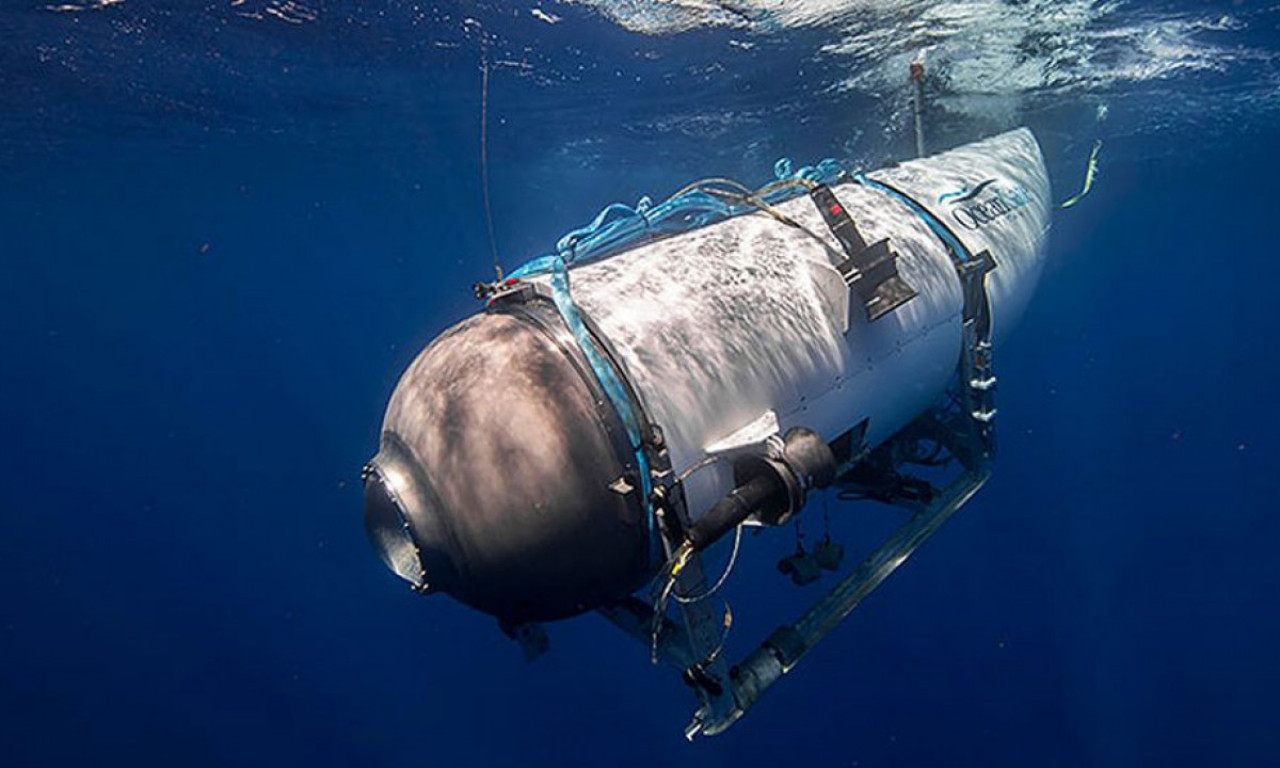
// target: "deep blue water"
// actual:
[[224, 234]]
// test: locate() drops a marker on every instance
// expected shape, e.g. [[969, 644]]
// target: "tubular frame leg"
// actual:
[[779, 654]]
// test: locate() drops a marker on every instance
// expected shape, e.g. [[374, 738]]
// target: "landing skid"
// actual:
[[782, 650], [960, 433]]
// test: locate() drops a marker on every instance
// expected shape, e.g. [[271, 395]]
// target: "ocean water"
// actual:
[[226, 227]]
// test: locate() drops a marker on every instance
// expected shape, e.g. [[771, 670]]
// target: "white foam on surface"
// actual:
[[981, 51]]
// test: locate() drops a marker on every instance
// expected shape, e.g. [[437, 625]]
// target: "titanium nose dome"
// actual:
[[389, 531], [403, 525], [492, 482]]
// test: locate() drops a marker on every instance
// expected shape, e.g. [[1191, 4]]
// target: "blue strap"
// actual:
[[957, 248], [620, 226], [613, 387]]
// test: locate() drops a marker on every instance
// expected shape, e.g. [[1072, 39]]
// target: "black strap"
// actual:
[[871, 271], [838, 220]]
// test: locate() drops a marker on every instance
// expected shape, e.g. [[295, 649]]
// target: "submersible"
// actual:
[[605, 418]]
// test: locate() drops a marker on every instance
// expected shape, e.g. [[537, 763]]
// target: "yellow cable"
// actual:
[[1090, 171]]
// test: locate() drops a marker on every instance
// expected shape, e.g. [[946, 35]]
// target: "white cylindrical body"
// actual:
[[717, 327]]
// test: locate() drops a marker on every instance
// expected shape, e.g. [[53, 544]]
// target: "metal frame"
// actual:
[[691, 642], [963, 428], [784, 648]]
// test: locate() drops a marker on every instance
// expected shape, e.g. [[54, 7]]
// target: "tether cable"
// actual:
[[484, 155]]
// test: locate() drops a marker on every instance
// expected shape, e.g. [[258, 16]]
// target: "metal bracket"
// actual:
[[873, 275], [870, 271]]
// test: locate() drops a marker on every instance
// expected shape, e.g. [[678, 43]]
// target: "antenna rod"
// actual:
[[917, 102]]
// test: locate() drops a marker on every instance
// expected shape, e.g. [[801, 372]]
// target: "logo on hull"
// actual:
[[987, 201]]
